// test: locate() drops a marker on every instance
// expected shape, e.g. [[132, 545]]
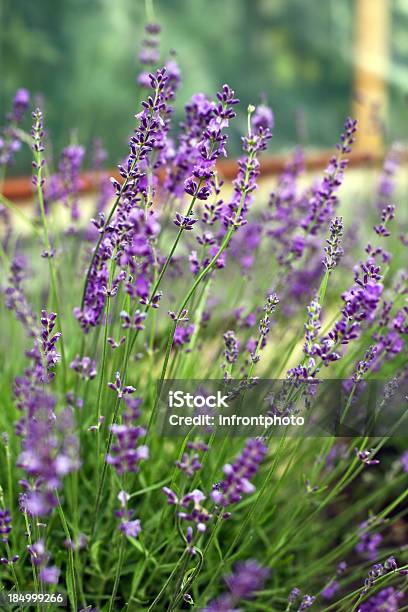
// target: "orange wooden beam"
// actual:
[[20, 187]]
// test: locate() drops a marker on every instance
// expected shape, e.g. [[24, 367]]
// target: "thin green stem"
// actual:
[[117, 574], [71, 582], [53, 277]]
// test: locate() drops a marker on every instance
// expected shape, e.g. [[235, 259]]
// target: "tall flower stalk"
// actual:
[[37, 134], [254, 143]]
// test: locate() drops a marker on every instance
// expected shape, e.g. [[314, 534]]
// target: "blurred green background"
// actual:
[[80, 56]]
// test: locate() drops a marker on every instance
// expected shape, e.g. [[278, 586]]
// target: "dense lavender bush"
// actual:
[[180, 275]]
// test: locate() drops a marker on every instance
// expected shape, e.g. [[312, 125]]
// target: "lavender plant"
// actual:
[[182, 276]]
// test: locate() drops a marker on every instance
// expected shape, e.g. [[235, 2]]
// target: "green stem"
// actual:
[[117, 575], [164, 587], [71, 565], [53, 277]]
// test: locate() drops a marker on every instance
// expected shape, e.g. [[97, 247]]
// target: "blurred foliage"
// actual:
[[80, 56]]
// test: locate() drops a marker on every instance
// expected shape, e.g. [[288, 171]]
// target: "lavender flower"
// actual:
[[131, 528], [293, 595], [211, 146], [365, 456], [40, 557], [125, 454], [198, 115], [330, 589], [190, 462], [149, 54], [5, 524], [130, 231], [288, 207], [85, 367], [272, 302], [368, 543], [404, 461], [10, 141], [196, 513], [20, 105], [324, 198], [133, 322], [15, 296], [231, 347], [182, 335], [387, 215], [37, 135], [50, 452], [306, 603], [387, 599], [333, 249], [365, 364], [361, 302], [387, 184], [247, 578], [234, 213], [50, 356], [245, 243], [66, 183], [263, 118], [120, 390], [186, 223], [237, 476]]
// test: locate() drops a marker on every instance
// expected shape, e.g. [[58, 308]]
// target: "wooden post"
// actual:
[[371, 56]]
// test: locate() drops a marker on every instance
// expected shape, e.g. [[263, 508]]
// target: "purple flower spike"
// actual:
[[387, 599], [51, 357], [306, 603], [125, 454], [211, 145], [50, 452], [135, 322], [387, 183], [404, 461], [128, 237], [186, 223], [131, 528], [182, 335], [324, 198], [85, 367], [330, 589], [247, 578], [117, 386], [387, 215], [231, 347], [262, 119], [237, 476], [50, 575], [196, 514], [293, 595], [365, 456], [368, 543], [15, 295], [5, 524], [189, 464], [40, 557], [334, 249], [172, 498], [234, 213], [10, 141]]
